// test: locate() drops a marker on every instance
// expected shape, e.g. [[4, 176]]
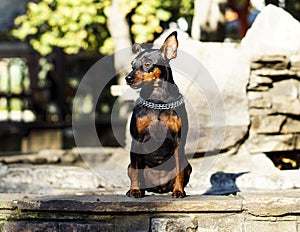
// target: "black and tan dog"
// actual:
[[158, 125]]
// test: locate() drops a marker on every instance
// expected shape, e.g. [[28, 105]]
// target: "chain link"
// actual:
[[157, 106]]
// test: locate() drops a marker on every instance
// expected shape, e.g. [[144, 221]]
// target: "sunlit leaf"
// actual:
[[71, 50], [100, 19], [128, 5], [20, 19], [44, 50], [139, 19], [32, 6], [163, 14], [145, 9], [108, 46]]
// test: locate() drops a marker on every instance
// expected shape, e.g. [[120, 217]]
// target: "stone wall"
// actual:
[[274, 104]]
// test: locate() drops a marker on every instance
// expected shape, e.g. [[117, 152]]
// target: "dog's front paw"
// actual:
[[178, 194], [136, 193]]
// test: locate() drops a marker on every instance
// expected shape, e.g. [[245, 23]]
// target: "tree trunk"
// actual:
[[119, 30]]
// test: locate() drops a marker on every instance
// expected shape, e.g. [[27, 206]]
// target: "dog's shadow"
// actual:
[[224, 183]]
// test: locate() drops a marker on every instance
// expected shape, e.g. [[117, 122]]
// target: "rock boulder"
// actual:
[[273, 32]]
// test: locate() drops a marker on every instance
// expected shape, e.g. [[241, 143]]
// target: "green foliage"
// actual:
[[72, 25], [147, 16], [81, 24]]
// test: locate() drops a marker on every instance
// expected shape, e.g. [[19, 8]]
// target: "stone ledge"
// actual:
[[121, 204], [265, 204], [247, 212], [275, 203]]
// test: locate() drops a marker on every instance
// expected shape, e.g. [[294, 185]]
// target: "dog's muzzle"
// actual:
[[129, 79]]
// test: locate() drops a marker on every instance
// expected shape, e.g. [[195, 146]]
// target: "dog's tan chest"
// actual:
[[143, 123], [173, 122]]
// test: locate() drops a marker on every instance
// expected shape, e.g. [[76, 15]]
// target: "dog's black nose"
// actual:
[[129, 79]]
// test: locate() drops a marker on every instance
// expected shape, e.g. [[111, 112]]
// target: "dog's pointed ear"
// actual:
[[169, 48], [137, 48]]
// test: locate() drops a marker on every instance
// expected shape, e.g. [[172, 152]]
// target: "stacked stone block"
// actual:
[[274, 104]]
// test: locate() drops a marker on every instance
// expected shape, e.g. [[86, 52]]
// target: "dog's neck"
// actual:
[[163, 90]]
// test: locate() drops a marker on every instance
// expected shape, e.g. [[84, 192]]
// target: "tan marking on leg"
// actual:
[[178, 190], [133, 175]]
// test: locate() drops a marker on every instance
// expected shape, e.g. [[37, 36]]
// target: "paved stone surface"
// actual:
[[109, 173], [49, 156], [46, 179]]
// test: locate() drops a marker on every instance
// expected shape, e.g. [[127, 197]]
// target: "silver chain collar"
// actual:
[[157, 106]]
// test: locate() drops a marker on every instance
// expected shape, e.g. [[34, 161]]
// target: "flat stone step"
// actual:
[[249, 211], [115, 204]]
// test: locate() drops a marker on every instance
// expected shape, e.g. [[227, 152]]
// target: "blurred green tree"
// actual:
[[149, 17], [82, 24], [71, 25]]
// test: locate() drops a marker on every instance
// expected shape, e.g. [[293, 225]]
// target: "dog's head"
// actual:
[[150, 64]]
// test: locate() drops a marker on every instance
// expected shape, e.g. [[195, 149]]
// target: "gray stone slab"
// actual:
[[261, 80], [292, 125], [91, 226], [50, 156], [267, 123], [276, 62], [272, 73], [46, 179], [161, 224], [123, 204], [270, 226], [271, 203], [24, 226], [269, 143], [253, 86], [220, 222], [262, 103], [7, 200], [285, 96], [27, 226]]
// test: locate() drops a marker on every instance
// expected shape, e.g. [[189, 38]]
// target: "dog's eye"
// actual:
[[148, 65]]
